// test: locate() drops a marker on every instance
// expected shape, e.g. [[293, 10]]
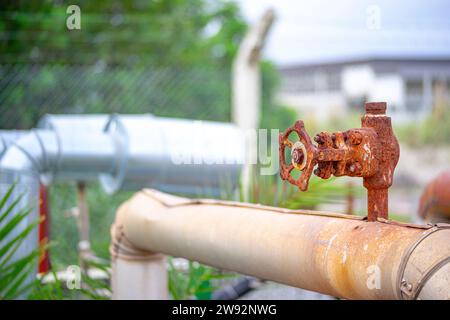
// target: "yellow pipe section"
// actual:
[[339, 255]]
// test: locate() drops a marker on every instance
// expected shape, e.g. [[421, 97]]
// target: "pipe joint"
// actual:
[[417, 274]]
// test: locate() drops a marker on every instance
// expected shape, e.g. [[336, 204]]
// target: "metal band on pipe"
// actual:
[[406, 290], [122, 248]]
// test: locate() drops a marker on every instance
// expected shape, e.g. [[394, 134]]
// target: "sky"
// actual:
[[319, 30]]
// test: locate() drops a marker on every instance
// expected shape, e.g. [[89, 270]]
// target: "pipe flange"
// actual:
[[112, 182]]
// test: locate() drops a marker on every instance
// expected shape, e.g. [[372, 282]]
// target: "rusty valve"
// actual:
[[370, 152]]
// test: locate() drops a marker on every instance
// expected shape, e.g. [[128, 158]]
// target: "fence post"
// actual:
[[246, 87]]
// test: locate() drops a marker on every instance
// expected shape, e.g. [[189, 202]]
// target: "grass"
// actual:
[[197, 282], [53, 288], [433, 131], [15, 271], [63, 228]]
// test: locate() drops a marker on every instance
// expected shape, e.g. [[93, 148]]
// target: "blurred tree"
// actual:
[[168, 57], [127, 32]]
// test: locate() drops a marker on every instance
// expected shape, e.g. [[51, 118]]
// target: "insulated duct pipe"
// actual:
[[131, 152], [339, 255], [124, 151], [175, 155], [71, 156], [26, 187]]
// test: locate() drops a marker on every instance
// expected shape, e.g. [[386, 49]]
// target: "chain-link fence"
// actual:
[[28, 91]]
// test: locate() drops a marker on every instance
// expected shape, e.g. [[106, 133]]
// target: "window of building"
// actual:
[[312, 81], [414, 94], [334, 81]]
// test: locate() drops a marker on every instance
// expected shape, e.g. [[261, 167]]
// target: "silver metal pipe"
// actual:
[[67, 156], [124, 152], [74, 122], [184, 156], [131, 152]]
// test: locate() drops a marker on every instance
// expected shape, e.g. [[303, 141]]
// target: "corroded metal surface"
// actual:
[[377, 185], [435, 199], [370, 152], [303, 155]]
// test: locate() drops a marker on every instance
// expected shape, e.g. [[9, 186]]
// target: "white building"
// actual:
[[411, 87]]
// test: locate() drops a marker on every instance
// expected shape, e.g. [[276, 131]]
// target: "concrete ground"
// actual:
[[275, 291]]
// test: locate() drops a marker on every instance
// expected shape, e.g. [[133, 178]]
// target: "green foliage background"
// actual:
[[171, 58]]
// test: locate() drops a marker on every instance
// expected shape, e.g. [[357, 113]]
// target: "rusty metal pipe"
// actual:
[[377, 204], [335, 254], [377, 185]]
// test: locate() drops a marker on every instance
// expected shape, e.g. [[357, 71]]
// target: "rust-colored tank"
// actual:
[[435, 200]]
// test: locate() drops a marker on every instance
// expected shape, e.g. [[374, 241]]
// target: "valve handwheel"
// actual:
[[303, 155], [370, 152]]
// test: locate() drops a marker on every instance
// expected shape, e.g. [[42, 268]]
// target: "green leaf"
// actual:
[[11, 207], [13, 274], [6, 197], [15, 241]]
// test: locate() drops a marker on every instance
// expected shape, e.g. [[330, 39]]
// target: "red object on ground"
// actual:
[[44, 261], [435, 199]]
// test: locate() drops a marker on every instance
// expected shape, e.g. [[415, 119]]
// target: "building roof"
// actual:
[[380, 64]]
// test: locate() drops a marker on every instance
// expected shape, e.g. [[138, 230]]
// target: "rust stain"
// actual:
[[370, 152], [345, 252]]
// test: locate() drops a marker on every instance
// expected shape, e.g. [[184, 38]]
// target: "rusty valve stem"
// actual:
[[370, 152]]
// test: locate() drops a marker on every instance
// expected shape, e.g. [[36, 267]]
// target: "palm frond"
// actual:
[[14, 274]]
